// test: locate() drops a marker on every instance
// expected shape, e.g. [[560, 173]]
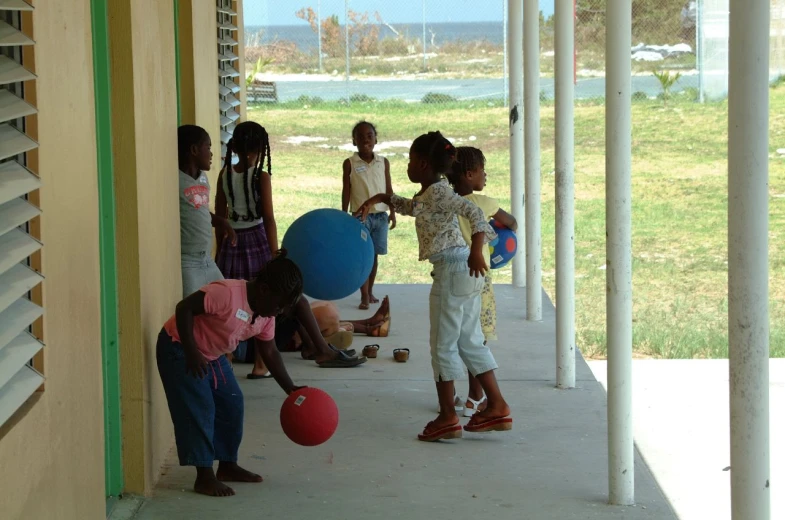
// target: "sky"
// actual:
[[281, 12]]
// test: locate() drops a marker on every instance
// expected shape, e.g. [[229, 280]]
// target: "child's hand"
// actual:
[[362, 213], [477, 265], [226, 231], [294, 389], [392, 220], [195, 364]]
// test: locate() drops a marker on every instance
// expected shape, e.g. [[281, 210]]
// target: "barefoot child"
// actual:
[[457, 281], [245, 198], [205, 402], [366, 174], [467, 177]]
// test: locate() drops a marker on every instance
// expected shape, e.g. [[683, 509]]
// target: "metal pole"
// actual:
[[531, 122], [618, 231], [424, 59], [748, 274], [515, 55], [346, 31], [565, 193], [699, 47], [319, 29], [505, 79]]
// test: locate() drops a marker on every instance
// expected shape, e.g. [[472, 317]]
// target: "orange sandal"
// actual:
[[447, 432], [498, 424]]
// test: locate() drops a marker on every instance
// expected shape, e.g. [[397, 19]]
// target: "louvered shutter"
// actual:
[[229, 77], [18, 379]]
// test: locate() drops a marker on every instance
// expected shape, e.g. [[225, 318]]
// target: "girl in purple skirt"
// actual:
[[245, 199]]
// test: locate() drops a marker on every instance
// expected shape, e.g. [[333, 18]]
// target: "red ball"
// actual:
[[309, 416]]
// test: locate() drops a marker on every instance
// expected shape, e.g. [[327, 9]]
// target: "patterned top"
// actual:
[[435, 211]]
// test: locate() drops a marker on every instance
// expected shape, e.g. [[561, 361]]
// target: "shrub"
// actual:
[[438, 97]]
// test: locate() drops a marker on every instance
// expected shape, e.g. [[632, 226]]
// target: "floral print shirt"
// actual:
[[436, 213]]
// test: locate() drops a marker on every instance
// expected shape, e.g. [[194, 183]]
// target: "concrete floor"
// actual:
[[681, 418], [552, 465]]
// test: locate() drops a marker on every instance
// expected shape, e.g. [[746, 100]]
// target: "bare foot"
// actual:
[[372, 298], [381, 313], [207, 484], [364, 304], [231, 472]]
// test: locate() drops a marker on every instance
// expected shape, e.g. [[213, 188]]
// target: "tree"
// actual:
[[363, 35]]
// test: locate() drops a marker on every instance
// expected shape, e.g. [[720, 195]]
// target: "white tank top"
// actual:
[[238, 205], [367, 180]]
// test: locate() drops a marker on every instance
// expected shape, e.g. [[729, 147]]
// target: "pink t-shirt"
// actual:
[[226, 321]]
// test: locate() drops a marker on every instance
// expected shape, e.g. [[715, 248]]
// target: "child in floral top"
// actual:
[[457, 281]]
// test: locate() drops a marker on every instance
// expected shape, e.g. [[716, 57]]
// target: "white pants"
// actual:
[[198, 270], [456, 333]]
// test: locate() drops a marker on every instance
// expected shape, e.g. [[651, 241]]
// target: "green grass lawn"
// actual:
[[679, 205]]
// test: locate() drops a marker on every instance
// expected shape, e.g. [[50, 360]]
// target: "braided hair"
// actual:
[[188, 136], [282, 277], [437, 150], [248, 137], [466, 158]]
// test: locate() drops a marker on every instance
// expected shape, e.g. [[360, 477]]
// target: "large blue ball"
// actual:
[[333, 250], [503, 247]]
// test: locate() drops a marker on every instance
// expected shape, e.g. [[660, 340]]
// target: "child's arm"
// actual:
[[185, 312], [221, 206], [388, 185], [481, 231], [346, 193], [506, 219], [268, 214], [272, 359]]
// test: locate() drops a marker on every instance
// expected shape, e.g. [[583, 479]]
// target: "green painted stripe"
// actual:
[[177, 57], [110, 347]]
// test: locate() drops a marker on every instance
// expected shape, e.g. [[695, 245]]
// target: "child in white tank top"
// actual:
[[365, 174]]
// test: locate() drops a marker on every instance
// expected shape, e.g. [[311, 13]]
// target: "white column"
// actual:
[[515, 56], [531, 123], [748, 274], [618, 230], [346, 34], [565, 194]]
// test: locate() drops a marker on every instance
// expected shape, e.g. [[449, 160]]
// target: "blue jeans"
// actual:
[[378, 224], [456, 333], [207, 413]]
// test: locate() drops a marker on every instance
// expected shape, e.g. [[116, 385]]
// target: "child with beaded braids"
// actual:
[[245, 199], [457, 274]]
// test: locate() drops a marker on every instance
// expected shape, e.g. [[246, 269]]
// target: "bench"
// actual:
[[262, 91]]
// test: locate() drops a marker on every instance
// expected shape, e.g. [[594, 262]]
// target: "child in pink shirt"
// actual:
[[205, 402]]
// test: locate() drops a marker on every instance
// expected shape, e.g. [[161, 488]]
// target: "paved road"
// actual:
[[414, 90]]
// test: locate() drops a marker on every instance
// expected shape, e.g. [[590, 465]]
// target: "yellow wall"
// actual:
[[146, 182], [199, 73], [51, 452]]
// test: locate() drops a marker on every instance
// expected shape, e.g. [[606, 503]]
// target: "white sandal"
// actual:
[[458, 404], [473, 406]]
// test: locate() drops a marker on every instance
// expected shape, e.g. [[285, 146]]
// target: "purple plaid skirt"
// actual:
[[245, 260]]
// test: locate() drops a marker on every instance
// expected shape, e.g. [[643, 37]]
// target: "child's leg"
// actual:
[[229, 410], [445, 318], [192, 409], [478, 358], [488, 323], [372, 280]]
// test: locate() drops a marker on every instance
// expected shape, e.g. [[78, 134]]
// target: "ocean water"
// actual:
[[307, 40]]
